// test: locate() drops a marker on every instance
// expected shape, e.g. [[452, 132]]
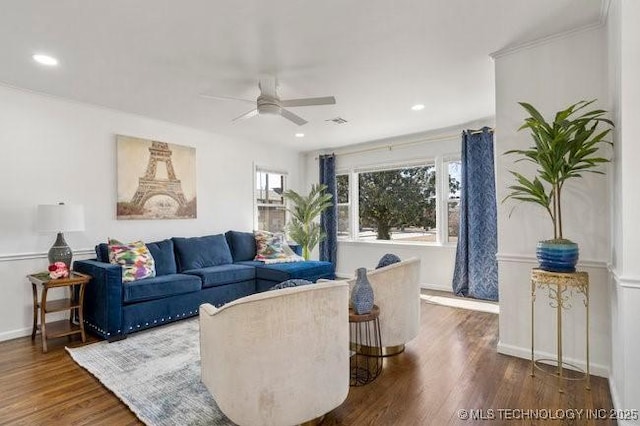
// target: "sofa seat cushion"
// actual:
[[223, 274], [308, 270], [159, 287]]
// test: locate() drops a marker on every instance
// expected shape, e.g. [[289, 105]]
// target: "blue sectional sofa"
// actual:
[[212, 269]]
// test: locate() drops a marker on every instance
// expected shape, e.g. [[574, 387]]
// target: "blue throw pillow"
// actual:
[[290, 283], [387, 259], [102, 252], [242, 245], [164, 257]]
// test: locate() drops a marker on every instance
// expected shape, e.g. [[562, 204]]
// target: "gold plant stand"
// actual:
[[560, 288]]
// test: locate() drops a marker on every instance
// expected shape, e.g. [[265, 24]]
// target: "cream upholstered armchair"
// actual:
[[280, 357], [396, 291]]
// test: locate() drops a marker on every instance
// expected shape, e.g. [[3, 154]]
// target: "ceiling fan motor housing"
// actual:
[[268, 105]]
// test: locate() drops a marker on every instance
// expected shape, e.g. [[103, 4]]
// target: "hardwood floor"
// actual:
[[452, 365]]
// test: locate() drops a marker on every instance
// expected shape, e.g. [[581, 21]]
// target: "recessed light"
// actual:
[[45, 60], [417, 107], [299, 135]]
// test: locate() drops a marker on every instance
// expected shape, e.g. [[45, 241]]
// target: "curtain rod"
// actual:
[[405, 144]]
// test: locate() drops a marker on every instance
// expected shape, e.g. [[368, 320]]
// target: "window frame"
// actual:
[[256, 205], [446, 200], [348, 204]]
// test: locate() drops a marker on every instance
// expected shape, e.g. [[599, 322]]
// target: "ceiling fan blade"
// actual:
[[246, 115], [292, 117], [225, 98], [327, 100]]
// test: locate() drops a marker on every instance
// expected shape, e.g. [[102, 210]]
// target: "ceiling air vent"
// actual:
[[337, 120]]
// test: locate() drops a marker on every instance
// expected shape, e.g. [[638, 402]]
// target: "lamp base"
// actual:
[[60, 252]]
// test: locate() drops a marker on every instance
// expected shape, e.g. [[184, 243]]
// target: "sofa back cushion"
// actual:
[[242, 245], [201, 252], [163, 254]]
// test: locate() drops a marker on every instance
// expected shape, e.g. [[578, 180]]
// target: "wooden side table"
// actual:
[[73, 304], [365, 365], [557, 284]]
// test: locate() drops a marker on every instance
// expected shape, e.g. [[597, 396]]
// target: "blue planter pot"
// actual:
[[557, 255]]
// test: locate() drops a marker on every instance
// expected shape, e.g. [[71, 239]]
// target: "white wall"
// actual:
[[437, 260], [551, 75], [57, 150], [624, 90]]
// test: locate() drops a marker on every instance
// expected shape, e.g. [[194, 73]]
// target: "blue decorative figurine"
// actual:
[[362, 294]]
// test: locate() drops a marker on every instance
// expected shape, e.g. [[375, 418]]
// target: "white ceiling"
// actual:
[[377, 57]]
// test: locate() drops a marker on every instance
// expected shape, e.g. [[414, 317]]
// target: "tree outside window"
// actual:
[[400, 204]]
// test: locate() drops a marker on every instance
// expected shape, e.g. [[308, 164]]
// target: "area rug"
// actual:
[[463, 303], [156, 373]]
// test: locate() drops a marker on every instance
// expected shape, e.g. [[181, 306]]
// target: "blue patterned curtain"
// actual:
[[476, 268], [329, 218]]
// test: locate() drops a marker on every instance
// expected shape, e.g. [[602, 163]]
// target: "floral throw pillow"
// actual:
[[273, 248], [134, 258]]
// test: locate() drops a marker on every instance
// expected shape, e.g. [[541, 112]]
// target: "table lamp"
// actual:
[[60, 218]]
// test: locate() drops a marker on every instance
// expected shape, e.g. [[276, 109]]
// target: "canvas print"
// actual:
[[156, 180]]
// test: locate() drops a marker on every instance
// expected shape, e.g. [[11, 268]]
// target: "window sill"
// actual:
[[396, 243]]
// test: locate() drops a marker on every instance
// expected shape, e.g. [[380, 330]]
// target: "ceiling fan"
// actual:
[[270, 103]]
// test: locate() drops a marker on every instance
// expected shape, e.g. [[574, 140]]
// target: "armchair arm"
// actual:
[[208, 309], [102, 297]]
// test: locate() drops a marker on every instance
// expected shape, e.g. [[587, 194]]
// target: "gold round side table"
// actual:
[[560, 287]]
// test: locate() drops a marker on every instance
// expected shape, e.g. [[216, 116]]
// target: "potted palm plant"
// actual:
[[303, 228], [563, 150]]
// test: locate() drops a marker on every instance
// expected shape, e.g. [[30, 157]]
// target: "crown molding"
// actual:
[[601, 22]]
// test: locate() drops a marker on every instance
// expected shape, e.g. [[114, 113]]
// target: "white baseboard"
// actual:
[[525, 353], [14, 334]]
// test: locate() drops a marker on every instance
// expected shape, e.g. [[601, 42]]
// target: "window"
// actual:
[[270, 204], [342, 188], [454, 169], [417, 202], [398, 204]]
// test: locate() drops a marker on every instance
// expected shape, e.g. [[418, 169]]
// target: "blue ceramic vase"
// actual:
[[557, 255], [362, 294]]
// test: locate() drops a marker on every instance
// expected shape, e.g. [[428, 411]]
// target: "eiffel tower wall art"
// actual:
[[156, 180]]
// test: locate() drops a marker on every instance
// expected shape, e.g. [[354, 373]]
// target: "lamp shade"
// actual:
[[60, 217]]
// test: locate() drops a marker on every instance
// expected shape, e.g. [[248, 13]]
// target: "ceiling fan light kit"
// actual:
[[269, 103]]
